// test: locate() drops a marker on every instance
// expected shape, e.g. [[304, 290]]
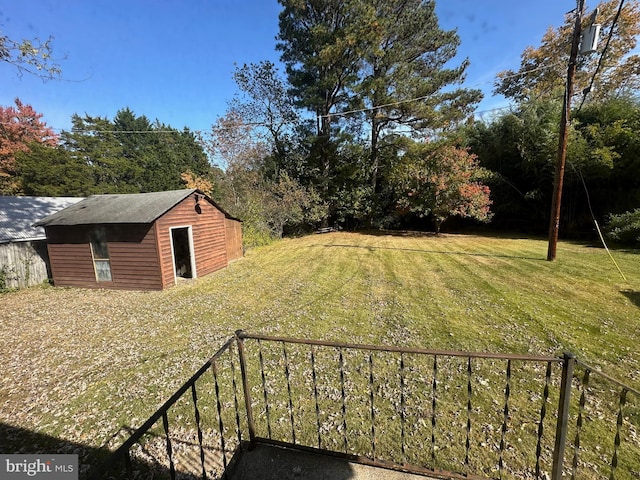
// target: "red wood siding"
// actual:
[[209, 237], [234, 239], [132, 253]]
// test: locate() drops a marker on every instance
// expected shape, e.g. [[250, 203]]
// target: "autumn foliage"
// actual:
[[442, 182], [19, 126]]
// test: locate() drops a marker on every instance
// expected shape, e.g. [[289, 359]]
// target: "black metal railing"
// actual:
[[195, 432], [445, 413]]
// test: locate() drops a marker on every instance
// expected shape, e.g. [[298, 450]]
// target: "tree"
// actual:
[[442, 181], [603, 157], [53, 172], [542, 70], [266, 105], [384, 62], [194, 181], [30, 56], [93, 140], [322, 58], [266, 204], [130, 154], [404, 71], [519, 148], [20, 127], [288, 203]]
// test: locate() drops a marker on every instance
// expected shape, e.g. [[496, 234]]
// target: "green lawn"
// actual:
[[80, 365]]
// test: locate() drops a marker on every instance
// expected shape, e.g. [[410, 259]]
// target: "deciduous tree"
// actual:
[[194, 181], [20, 126], [543, 69], [266, 105], [441, 182], [30, 56], [266, 204]]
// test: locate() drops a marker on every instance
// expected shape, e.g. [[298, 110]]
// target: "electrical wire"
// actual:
[[602, 55], [416, 99], [593, 217], [576, 169], [329, 115]]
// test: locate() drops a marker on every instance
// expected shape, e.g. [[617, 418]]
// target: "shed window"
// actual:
[[100, 252]]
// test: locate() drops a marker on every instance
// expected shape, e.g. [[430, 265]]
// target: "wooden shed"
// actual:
[[23, 248], [142, 241]]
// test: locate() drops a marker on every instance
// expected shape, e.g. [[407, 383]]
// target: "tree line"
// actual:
[[368, 127]]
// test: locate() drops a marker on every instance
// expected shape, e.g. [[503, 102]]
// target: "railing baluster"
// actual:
[[402, 410], [469, 392], [543, 413], [165, 424], [505, 420], [286, 373], [264, 389], [214, 370], [576, 444], [344, 401], [194, 396], [433, 410], [315, 393], [383, 373], [616, 441], [248, 405], [128, 466], [235, 399], [568, 364], [373, 411]]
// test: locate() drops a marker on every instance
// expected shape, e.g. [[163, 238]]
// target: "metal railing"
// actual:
[[444, 413]]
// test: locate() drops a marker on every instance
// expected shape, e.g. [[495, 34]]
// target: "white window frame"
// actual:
[[92, 235], [192, 250]]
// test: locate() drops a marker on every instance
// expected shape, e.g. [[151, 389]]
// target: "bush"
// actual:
[[255, 234], [625, 227]]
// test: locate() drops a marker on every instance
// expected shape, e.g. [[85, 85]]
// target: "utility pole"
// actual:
[[554, 223]]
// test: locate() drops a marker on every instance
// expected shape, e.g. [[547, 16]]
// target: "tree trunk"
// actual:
[[438, 223]]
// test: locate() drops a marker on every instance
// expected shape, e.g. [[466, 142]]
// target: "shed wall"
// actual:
[[209, 237], [24, 264], [132, 253], [234, 239]]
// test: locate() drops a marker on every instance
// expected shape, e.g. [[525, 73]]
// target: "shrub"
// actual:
[[625, 227]]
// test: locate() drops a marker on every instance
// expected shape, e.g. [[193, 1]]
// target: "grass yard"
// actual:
[[83, 366]]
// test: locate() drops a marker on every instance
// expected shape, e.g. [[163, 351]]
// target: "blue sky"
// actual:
[[173, 60]]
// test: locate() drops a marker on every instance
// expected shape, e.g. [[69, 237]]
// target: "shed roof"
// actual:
[[121, 208], [18, 214]]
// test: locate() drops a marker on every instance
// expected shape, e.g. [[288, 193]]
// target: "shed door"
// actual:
[[182, 246]]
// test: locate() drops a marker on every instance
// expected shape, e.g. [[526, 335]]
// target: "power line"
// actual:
[[602, 55], [416, 99], [319, 117]]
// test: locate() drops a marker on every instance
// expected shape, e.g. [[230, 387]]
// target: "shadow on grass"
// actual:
[[16, 440], [481, 233], [418, 250], [265, 462], [633, 296]]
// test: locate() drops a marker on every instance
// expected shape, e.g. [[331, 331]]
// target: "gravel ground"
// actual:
[[80, 365]]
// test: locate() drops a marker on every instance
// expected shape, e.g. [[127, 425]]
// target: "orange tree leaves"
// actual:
[[543, 70], [19, 126], [442, 182]]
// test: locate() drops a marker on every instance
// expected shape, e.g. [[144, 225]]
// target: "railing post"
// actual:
[[568, 364], [245, 385]]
